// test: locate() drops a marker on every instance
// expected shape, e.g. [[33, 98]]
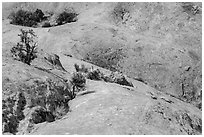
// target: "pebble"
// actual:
[[187, 68], [153, 97]]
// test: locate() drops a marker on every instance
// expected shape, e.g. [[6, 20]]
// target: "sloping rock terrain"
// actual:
[[155, 48], [112, 109]]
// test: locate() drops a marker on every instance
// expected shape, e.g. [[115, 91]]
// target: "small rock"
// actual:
[[187, 68], [153, 97], [167, 100]]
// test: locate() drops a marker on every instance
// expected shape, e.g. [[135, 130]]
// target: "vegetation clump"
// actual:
[[96, 74], [12, 112], [190, 8], [119, 12], [82, 69], [66, 17], [39, 19], [78, 81], [32, 104], [26, 18], [26, 49]]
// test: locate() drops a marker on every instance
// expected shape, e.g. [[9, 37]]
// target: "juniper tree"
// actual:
[[26, 49]]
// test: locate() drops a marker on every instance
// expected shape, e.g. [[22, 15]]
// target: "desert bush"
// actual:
[[26, 18], [109, 78], [48, 94], [57, 94], [35, 103], [78, 81], [37, 115], [38, 15], [82, 69], [123, 81], [190, 8], [60, 111], [95, 75], [66, 17], [12, 112], [76, 67], [9, 122], [26, 49], [22, 17], [19, 106], [34, 115], [119, 12]]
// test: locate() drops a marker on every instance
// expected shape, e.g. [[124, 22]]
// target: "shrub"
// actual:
[[48, 94], [38, 15], [95, 75], [123, 81], [66, 17], [22, 18], [82, 69], [9, 122], [35, 103], [78, 81], [76, 67], [20, 105], [26, 49], [26, 18], [190, 8], [119, 12], [37, 115], [12, 112], [60, 111], [109, 78]]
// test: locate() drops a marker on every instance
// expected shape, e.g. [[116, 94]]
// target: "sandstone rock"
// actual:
[[54, 60]]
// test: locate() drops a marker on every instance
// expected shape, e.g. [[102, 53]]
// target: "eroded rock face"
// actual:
[[54, 60]]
